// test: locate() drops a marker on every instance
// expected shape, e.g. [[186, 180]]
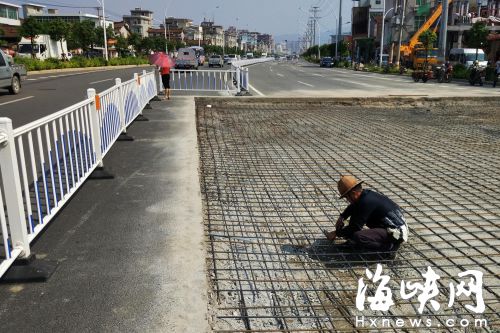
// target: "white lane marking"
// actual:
[[280, 74], [315, 74], [101, 81], [43, 77], [253, 88], [17, 100], [306, 84], [373, 76], [31, 79], [368, 85]]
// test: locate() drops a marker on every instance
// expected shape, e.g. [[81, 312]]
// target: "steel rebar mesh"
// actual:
[[268, 180]]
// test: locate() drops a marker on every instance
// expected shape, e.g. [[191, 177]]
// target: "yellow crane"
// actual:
[[413, 50]]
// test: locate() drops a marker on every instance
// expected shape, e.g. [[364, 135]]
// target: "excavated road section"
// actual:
[[268, 170]]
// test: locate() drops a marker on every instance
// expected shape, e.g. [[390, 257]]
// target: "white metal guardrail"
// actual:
[[43, 163], [244, 77], [233, 80], [204, 80]]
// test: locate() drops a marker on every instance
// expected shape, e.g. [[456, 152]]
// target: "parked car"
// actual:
[[232, 57], [226, 58], [326, 62], [11, 75], [215, 60], [93, 54], [467, 57]]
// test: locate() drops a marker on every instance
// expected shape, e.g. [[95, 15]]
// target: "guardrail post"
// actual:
[[157, 78], [140, 116], [247, 81], [99, 172], [13, 195], [238, 81], [145, 75], [121, 110]]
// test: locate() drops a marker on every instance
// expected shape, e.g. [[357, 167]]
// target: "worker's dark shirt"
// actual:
[[374, 210]]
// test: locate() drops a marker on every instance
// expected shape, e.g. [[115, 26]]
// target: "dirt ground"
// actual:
[[269, 169]]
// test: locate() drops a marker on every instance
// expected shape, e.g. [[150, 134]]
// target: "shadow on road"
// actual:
[[338, 255]]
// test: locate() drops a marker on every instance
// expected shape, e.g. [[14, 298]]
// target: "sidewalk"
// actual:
[[130, 250], [89, 69]]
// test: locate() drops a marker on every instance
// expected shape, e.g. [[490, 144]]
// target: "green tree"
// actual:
[[427, 38], [135, 40], [99, 32], [58, 30], [84, 34], [31, 28], [147, 44], [476, 36], [121, 44]]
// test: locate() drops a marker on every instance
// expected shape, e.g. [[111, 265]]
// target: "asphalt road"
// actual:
[[303, 79], [43, 94]]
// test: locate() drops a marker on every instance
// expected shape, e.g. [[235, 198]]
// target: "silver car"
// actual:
[[216, 60]]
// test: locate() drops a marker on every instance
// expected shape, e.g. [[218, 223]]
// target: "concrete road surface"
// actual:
[[130, 250], [304, 79]]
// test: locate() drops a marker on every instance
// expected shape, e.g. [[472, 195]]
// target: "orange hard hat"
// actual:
[[346, 184]]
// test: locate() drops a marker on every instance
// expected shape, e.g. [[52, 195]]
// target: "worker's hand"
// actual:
[[331, 235], [340, 223]]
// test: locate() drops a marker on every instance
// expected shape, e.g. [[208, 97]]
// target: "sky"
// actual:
[[281, 18]]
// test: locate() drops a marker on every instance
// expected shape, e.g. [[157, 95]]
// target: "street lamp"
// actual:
[[101, 2], [382, 35]]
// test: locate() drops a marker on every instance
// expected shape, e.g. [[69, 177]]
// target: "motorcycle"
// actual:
[[423, 72], [476, 74], [444, 73], [402, 69]]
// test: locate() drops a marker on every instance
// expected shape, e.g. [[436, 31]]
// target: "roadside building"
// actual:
[[172, 35], [31, 9], [367, 22], [46, 15], [231, 37], [212, 34], [265, 43], [9, 14], [178, 23], [193, 35], [140, 21], [122, 29], [9, 23]]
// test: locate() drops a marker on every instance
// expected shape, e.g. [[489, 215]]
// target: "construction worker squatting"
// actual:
[[385, 224]]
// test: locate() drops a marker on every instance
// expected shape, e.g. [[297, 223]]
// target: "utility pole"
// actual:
[[401, 24], [444, 30], [101, 2], [315, 10], [339, 30], [165, 30]]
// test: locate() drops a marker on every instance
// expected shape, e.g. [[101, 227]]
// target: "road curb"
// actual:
[[90, 69]]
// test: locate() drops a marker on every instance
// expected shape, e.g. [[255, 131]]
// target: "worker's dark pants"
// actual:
[[376, 239]]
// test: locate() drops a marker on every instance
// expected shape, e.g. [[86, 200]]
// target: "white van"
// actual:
[[186, 58], [467, 57]]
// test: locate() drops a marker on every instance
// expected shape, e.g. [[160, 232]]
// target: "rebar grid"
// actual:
[[268, 178]]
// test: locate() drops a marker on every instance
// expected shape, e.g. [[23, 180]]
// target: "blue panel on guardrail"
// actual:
[[110, 126], [131, 107]]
